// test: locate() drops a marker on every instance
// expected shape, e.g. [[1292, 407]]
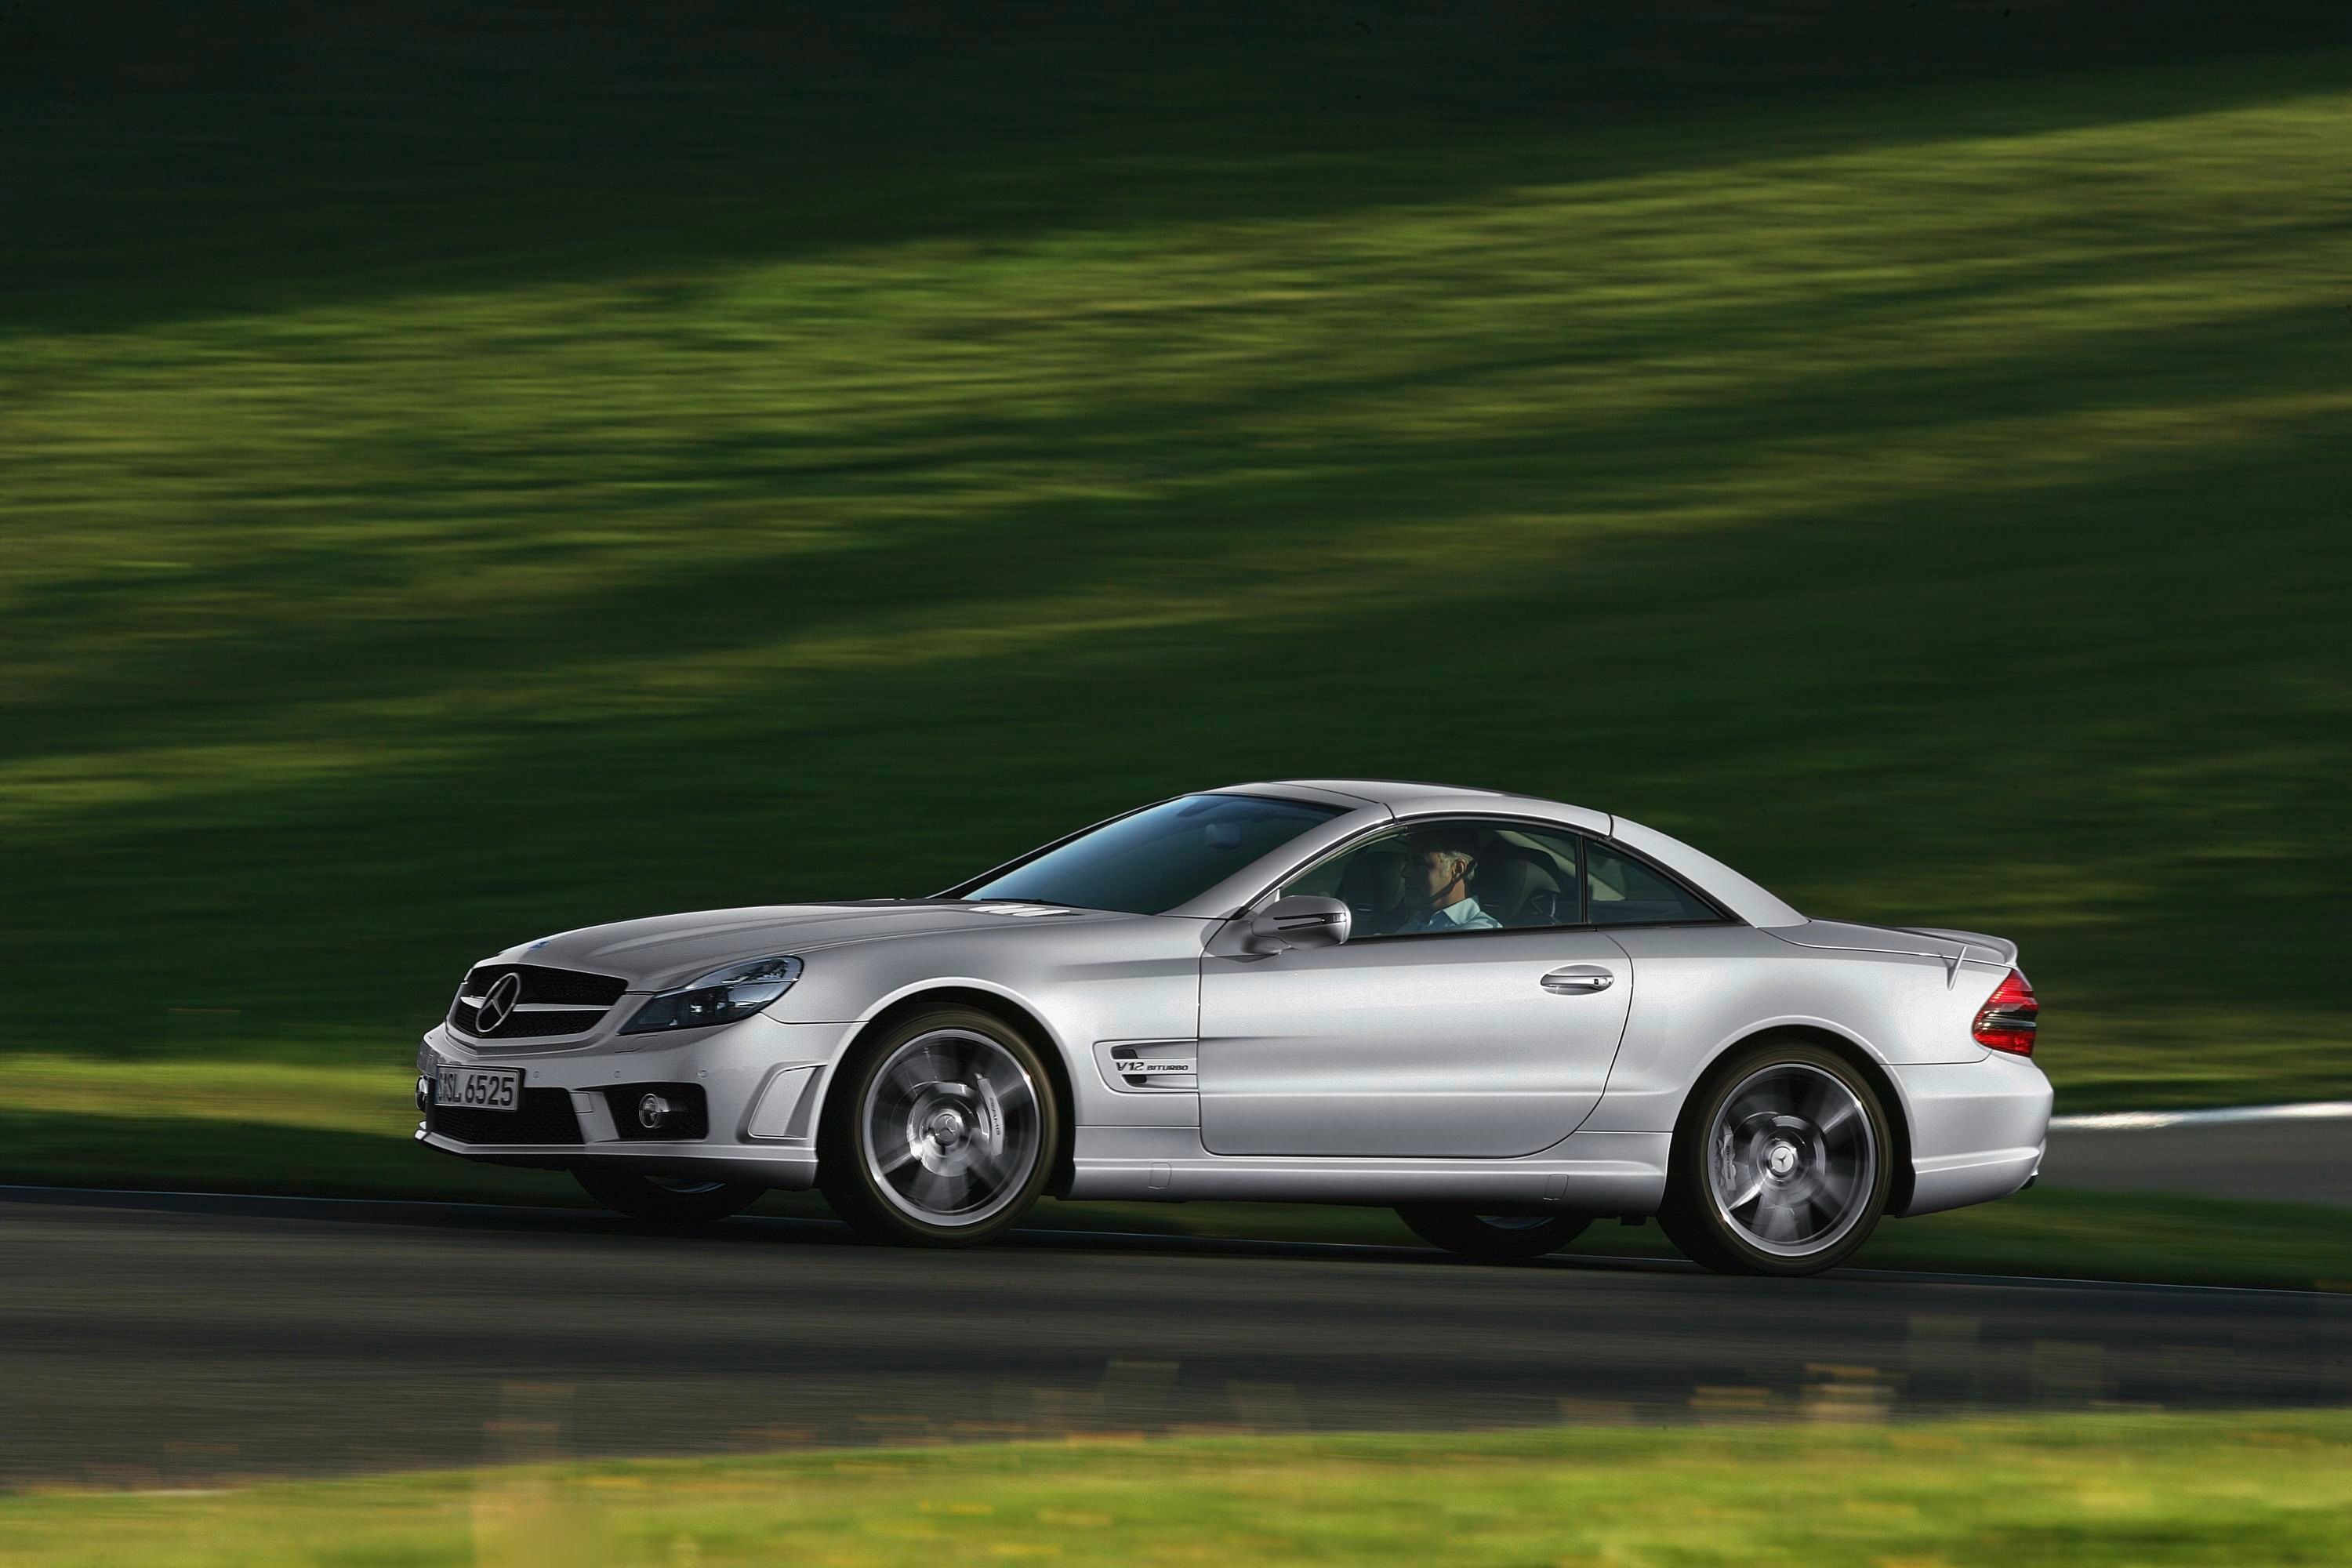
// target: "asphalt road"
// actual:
[[179, 1341], [2275, 1162]]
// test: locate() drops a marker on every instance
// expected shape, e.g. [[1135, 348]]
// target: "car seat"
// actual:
[[1517, 888]]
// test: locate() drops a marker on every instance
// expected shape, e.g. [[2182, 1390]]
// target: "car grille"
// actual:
[[552, 1002], [544, 1117]]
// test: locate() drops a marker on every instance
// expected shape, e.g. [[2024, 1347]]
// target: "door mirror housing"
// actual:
[[1302, 920]]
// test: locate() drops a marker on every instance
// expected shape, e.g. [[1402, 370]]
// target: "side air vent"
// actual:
[[1149, 1067], [502, 1002]]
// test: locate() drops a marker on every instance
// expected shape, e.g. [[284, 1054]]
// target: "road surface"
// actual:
[[171, 1342], [2284, 1160]]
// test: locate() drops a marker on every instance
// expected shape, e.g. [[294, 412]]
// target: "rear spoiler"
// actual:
[[1976, 945]]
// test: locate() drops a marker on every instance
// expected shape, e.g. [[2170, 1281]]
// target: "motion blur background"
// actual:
[[469, 471], [473, 470]]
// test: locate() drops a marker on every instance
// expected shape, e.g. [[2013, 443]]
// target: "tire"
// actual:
[[942, 1131], [1492, 1237], [1781, 1165], [665, 1201]]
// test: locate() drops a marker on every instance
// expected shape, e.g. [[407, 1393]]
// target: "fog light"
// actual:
[[424, 1092], [652, 1111]]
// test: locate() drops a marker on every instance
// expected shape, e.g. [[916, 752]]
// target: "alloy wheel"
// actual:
[[1791, 1159], [951, 1128]]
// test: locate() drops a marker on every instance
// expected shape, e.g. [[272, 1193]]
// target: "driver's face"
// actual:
[[1442, 871]]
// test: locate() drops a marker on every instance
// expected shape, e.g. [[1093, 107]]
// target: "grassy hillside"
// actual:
[[1826, 1484], [470, 476]]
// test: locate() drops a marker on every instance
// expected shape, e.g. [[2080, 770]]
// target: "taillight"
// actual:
[[2009, 1017]]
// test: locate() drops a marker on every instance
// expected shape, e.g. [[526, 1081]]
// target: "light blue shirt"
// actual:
[[1463, 914]]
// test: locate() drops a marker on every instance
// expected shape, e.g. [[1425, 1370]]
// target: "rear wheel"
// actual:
[[666, 1200], [942, 1132], [1783, 1166], [1492, 1237]]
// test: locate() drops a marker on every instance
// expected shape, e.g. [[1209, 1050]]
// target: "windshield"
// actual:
[[1157, 858]]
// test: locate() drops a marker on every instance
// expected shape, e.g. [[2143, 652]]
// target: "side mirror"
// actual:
[[1302, 920]]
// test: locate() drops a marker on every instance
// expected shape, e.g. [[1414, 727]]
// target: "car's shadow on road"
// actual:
[[818, 1231], [762, 1229]]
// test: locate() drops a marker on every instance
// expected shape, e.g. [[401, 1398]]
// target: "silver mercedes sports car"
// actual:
[[1503, 1017]]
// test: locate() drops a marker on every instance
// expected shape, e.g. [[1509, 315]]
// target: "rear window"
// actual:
[[1622, 892]]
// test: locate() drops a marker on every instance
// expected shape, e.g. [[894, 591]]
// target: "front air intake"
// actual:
[[544, 1117]]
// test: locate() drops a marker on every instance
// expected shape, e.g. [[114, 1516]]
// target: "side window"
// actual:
[[1622, 892], [1437, 878]]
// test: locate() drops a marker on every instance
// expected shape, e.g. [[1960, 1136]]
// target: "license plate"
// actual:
[[482, 1089]]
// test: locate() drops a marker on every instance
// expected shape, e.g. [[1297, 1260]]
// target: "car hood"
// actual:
[[669, 950]]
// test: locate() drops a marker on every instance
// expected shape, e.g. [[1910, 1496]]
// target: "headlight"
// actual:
[[720, 996]]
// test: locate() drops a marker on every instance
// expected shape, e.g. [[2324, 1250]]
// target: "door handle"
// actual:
[[1578, 980]]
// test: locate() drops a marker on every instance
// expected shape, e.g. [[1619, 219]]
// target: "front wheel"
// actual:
[[664, 1200], [942, 1132], [1492, 1237], [1783, 1166]]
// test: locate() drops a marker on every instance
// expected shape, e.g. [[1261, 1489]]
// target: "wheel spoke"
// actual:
[[1800, 1209], [1839, 1117], [921, 1186], [989, 1163], [936, 1190]]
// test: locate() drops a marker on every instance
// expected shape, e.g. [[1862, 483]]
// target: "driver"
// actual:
[[1438, 867]]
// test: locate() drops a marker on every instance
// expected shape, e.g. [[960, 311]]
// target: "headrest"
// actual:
[[1507, 883]]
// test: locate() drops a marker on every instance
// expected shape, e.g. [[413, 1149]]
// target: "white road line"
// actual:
[[2144, 1121]]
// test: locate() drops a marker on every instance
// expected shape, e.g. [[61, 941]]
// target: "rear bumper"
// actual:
[[759, 1080], [1978, 1129]]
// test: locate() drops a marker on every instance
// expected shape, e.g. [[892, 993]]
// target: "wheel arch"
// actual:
[[1847, 1050], [1007, 1009]]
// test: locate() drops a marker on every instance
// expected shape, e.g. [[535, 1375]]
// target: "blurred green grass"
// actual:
[[459, 480], [2071, 1490]]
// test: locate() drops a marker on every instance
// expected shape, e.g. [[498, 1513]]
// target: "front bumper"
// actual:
[[760, 1084], [1978, 1129]]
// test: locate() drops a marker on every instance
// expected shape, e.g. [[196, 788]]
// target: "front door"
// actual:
[[1489, 1035]]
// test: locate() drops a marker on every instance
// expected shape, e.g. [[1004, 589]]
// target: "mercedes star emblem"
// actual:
[[498, 1003]]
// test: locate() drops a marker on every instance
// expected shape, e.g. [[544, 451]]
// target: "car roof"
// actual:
[[1414, 798]]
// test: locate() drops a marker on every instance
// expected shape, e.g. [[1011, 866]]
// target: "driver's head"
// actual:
[[1438, 865]]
